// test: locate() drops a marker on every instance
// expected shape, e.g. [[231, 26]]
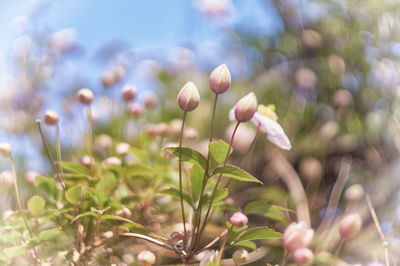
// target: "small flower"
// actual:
[[6, 179], [240, 256], [265, 118], [128, 93], [104, 142], [220, 79], [31, 176], [297, 235], [136, 109], [122, 148], [146, 258], [5, 149], [354, 193], [51, 117], [112, 161], [87, 161], [190, 133], [188, 97], [85, 96], [150, 100], [246, 107], [238, 219], [303, 256], [350, 225]]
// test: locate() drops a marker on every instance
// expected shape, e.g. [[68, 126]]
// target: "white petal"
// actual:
[[274, 131], [232, 114]]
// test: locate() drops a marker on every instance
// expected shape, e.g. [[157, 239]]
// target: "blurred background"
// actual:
[[331, 68]]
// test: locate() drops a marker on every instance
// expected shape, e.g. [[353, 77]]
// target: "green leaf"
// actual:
[[258, 233], [246, 244], [89, 213], [196, 179], [36, 205], [267, 210], [142, 155], [107, 183], [76, 168], [73, 195], [189, 155], [235, 172], [49, 234], [219, 195], [140, 170], [15, 251], [218, 151], [47, 184], [174, 192]]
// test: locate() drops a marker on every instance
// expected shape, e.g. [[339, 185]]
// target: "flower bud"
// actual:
[[6, 179], [170, 145], [190, 133], [238, 219], [128, 93], [297, 235], [240, 256], [104, 142], [85, 96], [354, 193], [246, 107], [5, 149], [189, 98], [150, 100], [303, 256], [112, 161], [146, 258], [87, 161], [31, 176], [220, 79], [51, 117], [136, 109], [108, 79], [122, 148], [350, 225]]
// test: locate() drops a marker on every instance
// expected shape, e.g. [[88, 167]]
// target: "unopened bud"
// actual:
[[146, 258], [240, 256], [238, 219], [87, 161], [303, 256], [136, 109], [85, 96], [5, 149], [189, 98], [128, 93], [297, 235], [108, 234], [150, 100], [190, 133], [112, 161], [108, 79], [104, 141], [350, 225], [51, 117], [31, 176], [246, 107], [354, 193], [6, 179], [122, 148], [220, 79]]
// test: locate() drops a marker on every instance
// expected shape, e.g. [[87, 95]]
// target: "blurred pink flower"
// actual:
[[265, 118]]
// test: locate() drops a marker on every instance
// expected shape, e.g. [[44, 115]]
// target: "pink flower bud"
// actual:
[[85, 96], [297, 235], [136, 109], [146, 258], [220, 79], [31, 176], [189, 98], [240, 256], [238, 219], [350, 225], [108, 79], [5, 149], [303, 256], [87, 161], [122, 148], [150, 100], [246, 107], [354, 193], [112, 161], [104, 142], [51, 117], [128, 93], [190, 133], [6, 179]]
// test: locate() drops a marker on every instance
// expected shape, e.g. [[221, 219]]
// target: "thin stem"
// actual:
[[284, 257], [378, 227], [337, 251], [197, 219], [46, 146], [219, 179], [221, 253], [90, 137], [58, 144], [180, 180], [251, 146], [123, 121]]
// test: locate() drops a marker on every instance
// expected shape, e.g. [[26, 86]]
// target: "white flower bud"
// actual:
[[246, 107], [5, 149], [350, 225], [146, 258], [85, 96], [189, 98], [128, 93], [220, 79], [51, 117]]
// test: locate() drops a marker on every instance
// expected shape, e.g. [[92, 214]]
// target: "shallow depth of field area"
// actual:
[[200, 132]]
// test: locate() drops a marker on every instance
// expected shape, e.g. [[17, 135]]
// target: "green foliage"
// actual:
[[189, 155], [36, 205], [236, 173]]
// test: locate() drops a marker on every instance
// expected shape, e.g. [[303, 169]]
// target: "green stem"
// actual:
[[251, 146], [46, 146], [58, 144], [90, 137], [197, 219], [180, 180], [218, 181], [221, 253], [284, 258], [337, 251], [123, 121]]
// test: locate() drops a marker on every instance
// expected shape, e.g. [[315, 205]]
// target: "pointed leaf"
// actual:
[[218, 151], [36, 205], [219, 195], [15, 251], [267, 210], [196, 179], [76, 168], [189, 155], [174, 192], [258, 233], [140, 169], [73, 194], [246, 244], [235, 172], [49, 234], [47, 184], [93, 214]]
